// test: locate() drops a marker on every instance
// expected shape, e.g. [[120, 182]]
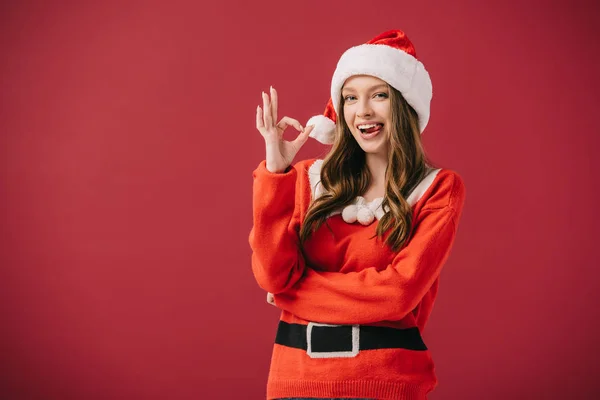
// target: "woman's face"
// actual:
[[367, 103]]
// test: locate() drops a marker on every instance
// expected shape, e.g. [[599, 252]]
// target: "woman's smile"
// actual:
[[368, 131]]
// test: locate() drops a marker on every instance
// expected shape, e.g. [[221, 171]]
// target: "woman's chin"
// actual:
[[378, 151], [372, 146]]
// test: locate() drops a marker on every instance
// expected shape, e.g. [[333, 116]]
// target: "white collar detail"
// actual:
[[360, 210]]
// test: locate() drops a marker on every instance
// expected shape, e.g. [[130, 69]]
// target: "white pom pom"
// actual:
[[324, 130], [349, 213], [365, 216]]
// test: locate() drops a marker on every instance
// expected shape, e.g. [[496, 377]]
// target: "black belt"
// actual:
[[346, 340]]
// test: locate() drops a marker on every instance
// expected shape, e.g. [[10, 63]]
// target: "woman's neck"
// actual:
[[377, 165]]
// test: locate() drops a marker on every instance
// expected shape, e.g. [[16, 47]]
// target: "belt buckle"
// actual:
[[332, 354]]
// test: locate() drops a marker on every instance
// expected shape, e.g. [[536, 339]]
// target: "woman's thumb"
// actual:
[[307, 131], [303, 137]]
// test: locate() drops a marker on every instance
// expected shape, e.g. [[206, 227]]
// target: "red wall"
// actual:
[[127, 143]]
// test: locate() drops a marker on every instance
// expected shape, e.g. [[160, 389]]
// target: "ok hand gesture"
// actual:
[[280, 153]]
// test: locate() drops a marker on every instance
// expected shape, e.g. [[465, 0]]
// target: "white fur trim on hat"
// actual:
[[324, 129], [398, 68]]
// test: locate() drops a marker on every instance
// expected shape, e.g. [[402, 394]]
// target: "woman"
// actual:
[[355, 295]]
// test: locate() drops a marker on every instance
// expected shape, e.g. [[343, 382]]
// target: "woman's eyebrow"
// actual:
[[382, 85]]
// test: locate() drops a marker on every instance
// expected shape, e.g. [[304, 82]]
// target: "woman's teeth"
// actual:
[[370, 128], [366, 126]]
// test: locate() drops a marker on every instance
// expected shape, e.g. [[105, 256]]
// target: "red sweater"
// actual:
[[344, 277]]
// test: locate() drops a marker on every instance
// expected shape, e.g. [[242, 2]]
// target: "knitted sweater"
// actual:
[[345, 277]]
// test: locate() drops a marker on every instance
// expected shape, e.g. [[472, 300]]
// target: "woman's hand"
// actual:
[[271, 299], [280, 153]]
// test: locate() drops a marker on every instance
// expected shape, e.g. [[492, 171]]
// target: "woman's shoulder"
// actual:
[[309, 173], [442, 188], [308, 165]]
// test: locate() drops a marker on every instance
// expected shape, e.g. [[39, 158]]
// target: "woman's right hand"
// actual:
[[280, 153]]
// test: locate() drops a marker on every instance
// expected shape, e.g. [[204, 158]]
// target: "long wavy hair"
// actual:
[[345, 175]]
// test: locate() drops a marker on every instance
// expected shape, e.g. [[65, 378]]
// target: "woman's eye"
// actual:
[[351, 98]]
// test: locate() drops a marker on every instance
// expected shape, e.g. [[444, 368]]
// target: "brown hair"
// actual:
[[345, 175]]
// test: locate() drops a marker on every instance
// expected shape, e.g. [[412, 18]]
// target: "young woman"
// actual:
[[355, 295]]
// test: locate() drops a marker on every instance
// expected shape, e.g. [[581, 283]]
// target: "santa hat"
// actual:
[[390, 57]]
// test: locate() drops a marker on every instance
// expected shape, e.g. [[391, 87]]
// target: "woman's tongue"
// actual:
[[375, 128]]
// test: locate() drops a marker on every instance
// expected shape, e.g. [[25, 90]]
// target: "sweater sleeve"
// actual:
[[373, 295], [277, 262]]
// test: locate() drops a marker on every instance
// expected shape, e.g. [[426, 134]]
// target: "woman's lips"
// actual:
[[370, 135], [367, 124]]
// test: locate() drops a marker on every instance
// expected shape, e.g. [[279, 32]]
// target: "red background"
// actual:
[[128, 142]]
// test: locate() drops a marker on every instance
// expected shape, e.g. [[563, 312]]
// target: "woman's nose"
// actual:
[[364, 109]]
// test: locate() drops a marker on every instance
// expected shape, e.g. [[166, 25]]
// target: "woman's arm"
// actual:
[[372, 295], [277, 262]]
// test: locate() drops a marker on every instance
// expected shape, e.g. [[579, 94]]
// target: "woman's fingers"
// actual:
[[273, 104], [303, 136], [260, 123], [268, 119], [269, 108], [287, 121]]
